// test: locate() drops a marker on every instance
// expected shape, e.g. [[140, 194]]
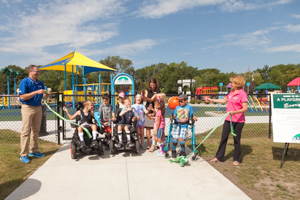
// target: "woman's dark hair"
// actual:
[[155, 81]]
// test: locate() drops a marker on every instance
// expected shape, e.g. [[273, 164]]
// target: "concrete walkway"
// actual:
[[124, 176]]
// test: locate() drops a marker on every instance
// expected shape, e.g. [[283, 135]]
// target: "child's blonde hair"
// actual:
[[87, 102], [162, 96], [138, 95], [126, 98]]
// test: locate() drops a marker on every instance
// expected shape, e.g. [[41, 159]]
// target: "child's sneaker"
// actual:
[[151, 149], [36, 154], [119, 145], [24, 159], [82, 145], [160, 154], [173, 154], [94, 143], [130, 144], [182, 153]]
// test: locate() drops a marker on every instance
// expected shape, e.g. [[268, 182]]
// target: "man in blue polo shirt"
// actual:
[[31, 92]]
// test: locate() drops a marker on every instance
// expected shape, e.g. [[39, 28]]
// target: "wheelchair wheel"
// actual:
[[137, 147], [111, 147], [73, 150]]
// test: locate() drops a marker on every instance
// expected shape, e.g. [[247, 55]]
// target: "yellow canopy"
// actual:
[[71, 60]]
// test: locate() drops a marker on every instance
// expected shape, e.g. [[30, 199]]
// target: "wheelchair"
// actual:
[[75, 142], [115, 139], [191, 126]]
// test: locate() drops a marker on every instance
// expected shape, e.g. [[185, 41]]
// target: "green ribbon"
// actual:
[[64, 119], [231, 127]]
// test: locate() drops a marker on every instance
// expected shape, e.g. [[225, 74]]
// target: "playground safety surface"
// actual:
[[124, 175]]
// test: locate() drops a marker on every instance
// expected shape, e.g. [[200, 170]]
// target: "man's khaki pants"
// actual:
[[31, 124]]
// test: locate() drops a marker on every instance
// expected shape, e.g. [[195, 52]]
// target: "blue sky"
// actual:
[[230, 35]]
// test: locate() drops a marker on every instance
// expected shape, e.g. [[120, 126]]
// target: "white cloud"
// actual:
[[61, 23], [292, 28], [160, 8], [284, 48], [296, 16], [236, 5], [129, 49], [250, 40]]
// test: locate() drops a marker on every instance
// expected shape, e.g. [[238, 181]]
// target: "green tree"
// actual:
[[3, 79], [120, 64], [173, 72], [264, 72]]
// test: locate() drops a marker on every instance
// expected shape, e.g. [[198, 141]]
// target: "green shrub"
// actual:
[[192, 101], [207, 102], [199, 101]]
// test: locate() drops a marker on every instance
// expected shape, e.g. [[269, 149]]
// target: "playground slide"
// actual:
[[258, 103]]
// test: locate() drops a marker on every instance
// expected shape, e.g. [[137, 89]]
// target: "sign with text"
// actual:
[[286, 118], [123, 80]]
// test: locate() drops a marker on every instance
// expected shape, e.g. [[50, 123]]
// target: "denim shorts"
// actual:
[[159, 133]]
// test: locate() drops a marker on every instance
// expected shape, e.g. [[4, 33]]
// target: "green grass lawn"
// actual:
[[12, 171], [259, 175]]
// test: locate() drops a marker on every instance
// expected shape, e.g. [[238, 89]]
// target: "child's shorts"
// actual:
[[123, 125], [159, 133], [179, 133], [143, 126]]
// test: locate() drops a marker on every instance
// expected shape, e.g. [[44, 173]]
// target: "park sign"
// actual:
[[123, 80], [286, 117]]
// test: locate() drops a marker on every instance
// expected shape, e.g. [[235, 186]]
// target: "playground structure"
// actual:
[[206, 92], [294, 83], [80, 92], [182, 88]]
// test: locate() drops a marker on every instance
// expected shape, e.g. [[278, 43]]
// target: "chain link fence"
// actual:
[[11, 121], [55, 130]]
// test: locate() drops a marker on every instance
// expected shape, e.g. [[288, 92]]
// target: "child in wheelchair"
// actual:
[[128, 115], [84, 117], [107, 116], [182, 114]]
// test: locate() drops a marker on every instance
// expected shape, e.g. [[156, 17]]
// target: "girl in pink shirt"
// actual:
[[159, 126], [237, 106]]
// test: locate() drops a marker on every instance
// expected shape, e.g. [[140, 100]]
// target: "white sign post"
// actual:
[[286, 119]]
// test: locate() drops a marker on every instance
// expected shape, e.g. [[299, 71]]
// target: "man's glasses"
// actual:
[[181, 101], [37, 71]]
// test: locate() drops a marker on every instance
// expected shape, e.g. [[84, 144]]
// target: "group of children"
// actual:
[[129, 113]]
